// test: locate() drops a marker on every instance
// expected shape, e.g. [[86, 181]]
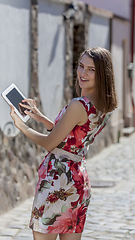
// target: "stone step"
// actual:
[[128, 131]]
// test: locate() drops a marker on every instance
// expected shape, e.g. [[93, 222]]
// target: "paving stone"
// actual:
[[16, 226], [84, 237], [115, 225], [24, 219], [105, 237], [23, 238], [119, 236], [3, 224], [132, 232], [116, 231], [25, 233], [5, 238], [8, 232], [129, 227], [8, 216], [19, 222], [4, 220]]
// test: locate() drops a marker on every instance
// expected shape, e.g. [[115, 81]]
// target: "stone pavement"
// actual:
[[111, 214]]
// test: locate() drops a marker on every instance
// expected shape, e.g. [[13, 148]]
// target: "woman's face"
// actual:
[[86, 74]]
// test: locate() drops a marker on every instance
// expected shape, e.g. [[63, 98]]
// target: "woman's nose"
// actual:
[[83, 73]]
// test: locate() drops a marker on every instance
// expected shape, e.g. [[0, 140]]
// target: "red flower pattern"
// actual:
[[71, 221], [77, 139], [79, 185]]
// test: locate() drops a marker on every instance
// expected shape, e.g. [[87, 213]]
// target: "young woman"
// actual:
[[63, 191]]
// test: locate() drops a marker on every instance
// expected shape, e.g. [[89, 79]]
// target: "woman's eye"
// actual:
[[92, 69], [80, 65]]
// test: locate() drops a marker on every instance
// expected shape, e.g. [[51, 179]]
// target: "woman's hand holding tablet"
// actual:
[[24, 108], [30, 109], [14, 97]]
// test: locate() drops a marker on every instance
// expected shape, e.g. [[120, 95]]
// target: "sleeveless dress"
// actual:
[[63, 191]]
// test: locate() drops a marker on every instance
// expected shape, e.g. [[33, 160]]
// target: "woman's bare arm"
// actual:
[[74, 115], [35, 113]]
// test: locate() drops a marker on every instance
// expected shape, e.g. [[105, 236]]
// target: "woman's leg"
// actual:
[[70, 236], [44, 236]]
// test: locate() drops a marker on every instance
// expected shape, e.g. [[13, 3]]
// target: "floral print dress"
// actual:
[[63, 191]]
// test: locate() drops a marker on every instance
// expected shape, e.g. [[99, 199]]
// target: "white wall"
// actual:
[[14, 51], [118, 7], [99, 32], [51, 56], [120, 31]]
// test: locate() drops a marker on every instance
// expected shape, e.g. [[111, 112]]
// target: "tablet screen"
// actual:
[[15, 98]]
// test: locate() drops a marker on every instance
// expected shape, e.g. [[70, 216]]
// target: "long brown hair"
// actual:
[[104, 77]]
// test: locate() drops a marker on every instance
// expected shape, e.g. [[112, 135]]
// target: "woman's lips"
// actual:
[[84, 80]]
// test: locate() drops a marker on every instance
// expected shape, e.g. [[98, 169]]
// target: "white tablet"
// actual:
[[14, 96]]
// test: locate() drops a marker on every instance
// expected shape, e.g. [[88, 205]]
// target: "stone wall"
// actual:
[[19, 161]]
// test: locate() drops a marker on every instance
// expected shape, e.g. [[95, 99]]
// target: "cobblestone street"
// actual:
[[111, 214]]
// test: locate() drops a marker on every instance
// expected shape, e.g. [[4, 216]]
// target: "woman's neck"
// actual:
[[90, 96]]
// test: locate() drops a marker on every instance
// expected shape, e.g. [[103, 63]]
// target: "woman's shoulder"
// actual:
[[82, 99], [74, 107], [89, 107], [92, 112], [76, 104]]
